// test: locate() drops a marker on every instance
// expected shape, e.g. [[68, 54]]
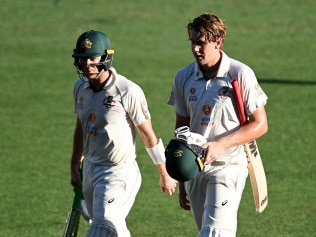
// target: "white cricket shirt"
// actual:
[[108, 119], [210, 104]]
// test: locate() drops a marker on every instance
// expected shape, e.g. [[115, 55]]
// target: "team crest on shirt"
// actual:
[[207, 109], [145, 109], [92, 118], [80, 103], [193, 97], [91, 129], [259, 90], [109, 102], [207, 120], [225, 91]]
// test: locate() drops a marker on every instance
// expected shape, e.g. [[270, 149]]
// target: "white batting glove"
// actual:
[[184, 134]]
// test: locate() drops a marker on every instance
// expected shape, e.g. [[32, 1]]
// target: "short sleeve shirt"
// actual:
[[210, 103], [109, 117]]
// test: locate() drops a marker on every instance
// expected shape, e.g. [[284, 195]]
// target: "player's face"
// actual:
[[89, 68], [205, 52]]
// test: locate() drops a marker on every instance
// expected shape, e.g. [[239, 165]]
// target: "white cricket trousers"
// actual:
[[214, 197], [109, 192]]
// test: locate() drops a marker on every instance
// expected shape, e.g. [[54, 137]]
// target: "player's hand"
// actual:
[[214, 150], [167, 184], [75, 177]]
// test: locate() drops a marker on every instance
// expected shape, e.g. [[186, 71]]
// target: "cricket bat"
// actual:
[[73, 219], [255, 166]]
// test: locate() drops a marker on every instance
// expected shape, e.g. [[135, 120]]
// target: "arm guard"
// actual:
[[157, 153]]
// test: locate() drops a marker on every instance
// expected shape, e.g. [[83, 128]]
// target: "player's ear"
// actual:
[[219, 43]]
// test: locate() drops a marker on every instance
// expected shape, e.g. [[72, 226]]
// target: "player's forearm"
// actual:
[[161, 168], [253, 130], [77, 147], [147, 134], [153, 145], [242, 136]]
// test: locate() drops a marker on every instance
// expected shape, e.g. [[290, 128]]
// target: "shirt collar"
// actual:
[[222, 70], [113, 75]]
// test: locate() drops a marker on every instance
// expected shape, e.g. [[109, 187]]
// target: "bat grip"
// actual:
[[239, 103]]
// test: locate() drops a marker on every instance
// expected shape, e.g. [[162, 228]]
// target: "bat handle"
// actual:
[[239, 103]]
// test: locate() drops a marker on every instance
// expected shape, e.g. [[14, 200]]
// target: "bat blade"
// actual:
[[255, 166], [73, 220], [72, 224], [257, 176]]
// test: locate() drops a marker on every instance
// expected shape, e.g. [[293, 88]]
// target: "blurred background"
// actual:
[[275, 38]]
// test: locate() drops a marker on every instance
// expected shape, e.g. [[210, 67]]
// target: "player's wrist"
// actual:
[[157, 153]]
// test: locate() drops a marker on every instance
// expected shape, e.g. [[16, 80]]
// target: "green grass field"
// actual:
[[275, 38]]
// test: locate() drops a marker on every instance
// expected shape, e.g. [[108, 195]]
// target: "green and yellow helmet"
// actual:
[[91, 44], [184, 161]]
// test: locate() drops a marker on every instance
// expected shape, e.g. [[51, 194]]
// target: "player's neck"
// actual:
[[210, 71], [100, 81]]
